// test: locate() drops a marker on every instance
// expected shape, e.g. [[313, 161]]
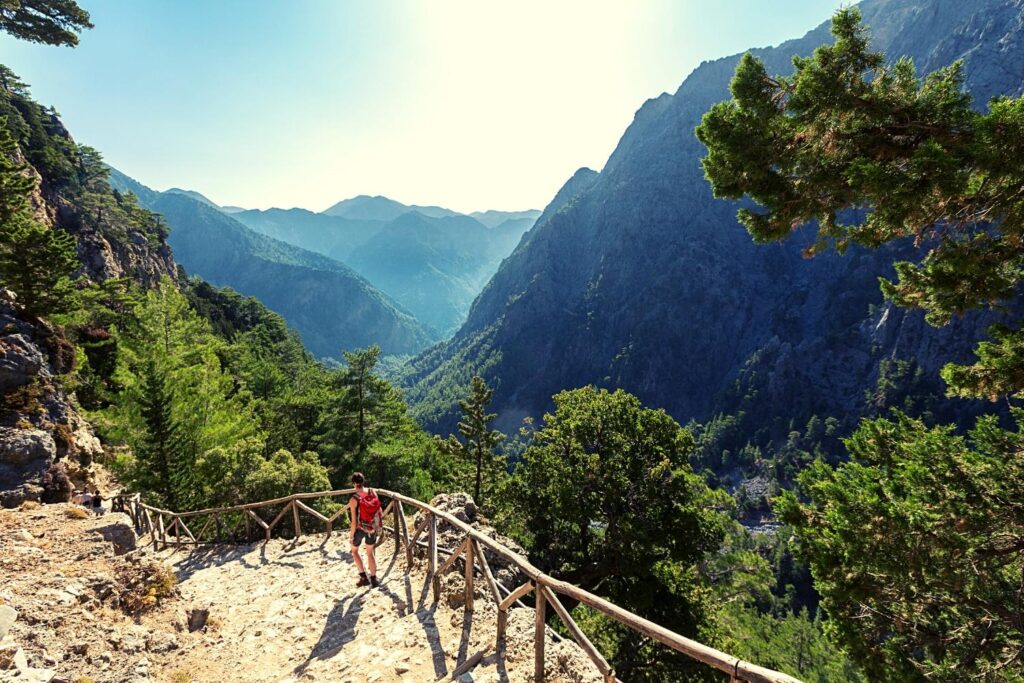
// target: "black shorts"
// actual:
[[368, 536]]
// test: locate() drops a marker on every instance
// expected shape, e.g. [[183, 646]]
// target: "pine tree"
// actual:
[[37, 263], [874, 154], [15, 183], [479, 441], [51, 22], [155, 452]]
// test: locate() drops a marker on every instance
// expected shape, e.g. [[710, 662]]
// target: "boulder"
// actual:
[[25, 455], [20, 360], [197, 619], [119, 532], [21, 447]]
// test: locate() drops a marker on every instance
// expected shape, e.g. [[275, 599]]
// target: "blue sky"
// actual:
[[469, 104]]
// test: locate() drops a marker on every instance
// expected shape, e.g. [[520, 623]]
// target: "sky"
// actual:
[[468, 104]]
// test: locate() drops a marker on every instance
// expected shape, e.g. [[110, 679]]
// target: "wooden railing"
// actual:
[[238, 523]]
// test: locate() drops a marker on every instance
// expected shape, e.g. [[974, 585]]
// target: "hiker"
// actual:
[[97, 504], [364, 511]]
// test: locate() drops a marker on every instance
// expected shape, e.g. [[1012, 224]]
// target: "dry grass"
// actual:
[[146, 586], [30, 505], [179, 676], [75, 512], [84, 679]]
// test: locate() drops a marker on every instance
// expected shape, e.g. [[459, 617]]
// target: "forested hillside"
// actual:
[[332, 307]]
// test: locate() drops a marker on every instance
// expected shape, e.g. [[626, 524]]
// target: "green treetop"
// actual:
[[605, 498], [479, 440], [52, 22]]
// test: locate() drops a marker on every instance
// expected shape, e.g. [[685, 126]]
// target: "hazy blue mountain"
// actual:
[[434, 264], [365, 207], [494, 218], [638, 278], [334, 236], [202, 199], [331, 306], [232, 209]]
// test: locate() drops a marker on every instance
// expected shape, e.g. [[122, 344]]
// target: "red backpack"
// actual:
[[370, 517]]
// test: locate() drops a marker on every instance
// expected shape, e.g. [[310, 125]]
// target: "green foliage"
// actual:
[[51, 22], [176, 401], [479, 440], [849, 131], [593, 500], [366, 410], [15, 184], [758, 617], [35, 262], [915, 547]]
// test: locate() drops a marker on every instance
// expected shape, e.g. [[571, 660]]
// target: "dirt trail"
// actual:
[[289, 611]]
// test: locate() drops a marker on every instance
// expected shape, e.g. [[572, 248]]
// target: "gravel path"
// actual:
[[289, 611]]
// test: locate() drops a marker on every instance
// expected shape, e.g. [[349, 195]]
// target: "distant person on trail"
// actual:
[[365, 513]]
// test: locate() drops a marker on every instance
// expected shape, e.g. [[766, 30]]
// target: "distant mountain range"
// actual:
[[433, 261], [332, 307]]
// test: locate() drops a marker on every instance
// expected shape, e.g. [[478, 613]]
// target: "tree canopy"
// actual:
[[605, 499], [51, 22]]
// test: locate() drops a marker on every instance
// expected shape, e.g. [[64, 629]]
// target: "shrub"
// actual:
[[56, 485]]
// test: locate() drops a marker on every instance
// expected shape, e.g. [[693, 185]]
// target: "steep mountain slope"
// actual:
[[435, 267], [642, 280], [329, 304]]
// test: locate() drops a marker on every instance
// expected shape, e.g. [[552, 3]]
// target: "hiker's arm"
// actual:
[[352, 517]]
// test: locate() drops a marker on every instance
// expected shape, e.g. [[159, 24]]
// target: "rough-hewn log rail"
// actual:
[[170, 529]]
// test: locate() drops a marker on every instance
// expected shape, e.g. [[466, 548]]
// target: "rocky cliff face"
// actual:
[[42, 435], [645, 281]]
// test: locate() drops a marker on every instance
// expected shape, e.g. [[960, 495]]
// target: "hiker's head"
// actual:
[[358, 479]]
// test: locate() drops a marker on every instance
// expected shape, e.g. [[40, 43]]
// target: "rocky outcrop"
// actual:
[[39, 421], [463, 508]]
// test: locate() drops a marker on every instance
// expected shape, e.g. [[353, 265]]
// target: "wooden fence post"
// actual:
[[470, 547], [295, 519], [538, 634], [433, 543], [398, 532]]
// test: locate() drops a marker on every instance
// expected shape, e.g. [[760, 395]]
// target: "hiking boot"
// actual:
[[374, 582], [363, 581]]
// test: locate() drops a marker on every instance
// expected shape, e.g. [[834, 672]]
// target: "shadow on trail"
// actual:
[[216, 555], [339, 630], [425, 617]]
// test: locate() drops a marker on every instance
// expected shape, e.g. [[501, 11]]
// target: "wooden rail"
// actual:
[[233, 524]]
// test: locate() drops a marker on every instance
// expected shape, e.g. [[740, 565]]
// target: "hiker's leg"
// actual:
[[372, 559], [358, 560]]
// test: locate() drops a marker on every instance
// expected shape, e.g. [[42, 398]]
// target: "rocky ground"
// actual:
[[90, 609], [78, 605]]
